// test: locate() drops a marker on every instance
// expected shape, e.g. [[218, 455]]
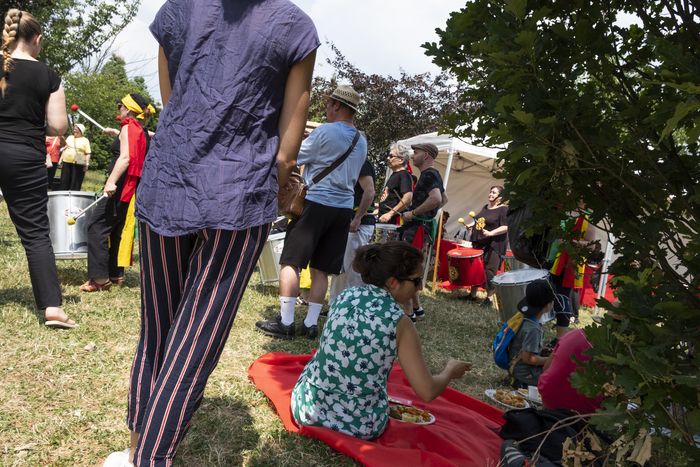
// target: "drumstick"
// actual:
[[71, 220], [75, 108]]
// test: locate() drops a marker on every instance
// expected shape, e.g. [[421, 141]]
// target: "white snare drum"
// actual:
[[385, 232], [69, 241], [510, 288]]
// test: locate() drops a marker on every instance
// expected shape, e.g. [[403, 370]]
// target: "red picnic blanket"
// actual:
[[464, 432]]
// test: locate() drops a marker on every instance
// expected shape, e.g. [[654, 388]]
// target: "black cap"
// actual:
[[537, 295]]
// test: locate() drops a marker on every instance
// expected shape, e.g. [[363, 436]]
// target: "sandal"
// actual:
[[92, 286], [117, 280]]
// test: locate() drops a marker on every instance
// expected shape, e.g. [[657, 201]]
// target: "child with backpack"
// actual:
[[525, 350]]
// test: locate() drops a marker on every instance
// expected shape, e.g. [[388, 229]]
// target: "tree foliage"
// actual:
[[96, 94], [74, 30], [600, 100], [392, 108]]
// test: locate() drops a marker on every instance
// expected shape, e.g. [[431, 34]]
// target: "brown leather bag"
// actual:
[[290, 198]]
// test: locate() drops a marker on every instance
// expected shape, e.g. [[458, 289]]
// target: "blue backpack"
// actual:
[[503, 339]]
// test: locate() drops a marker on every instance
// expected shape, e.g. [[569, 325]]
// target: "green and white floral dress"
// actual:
[[343, 387]]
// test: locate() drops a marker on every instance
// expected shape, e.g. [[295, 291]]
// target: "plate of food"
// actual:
[[410, 414], [510, 399], [534, 397]]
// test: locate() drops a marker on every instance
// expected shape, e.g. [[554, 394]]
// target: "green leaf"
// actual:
[[517, 8], [524, 117], [682, 109]]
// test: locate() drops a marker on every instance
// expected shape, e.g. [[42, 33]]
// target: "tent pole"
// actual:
[[603, 282], [438, 240]]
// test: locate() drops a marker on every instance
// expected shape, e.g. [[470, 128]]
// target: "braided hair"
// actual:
[[18, 25]]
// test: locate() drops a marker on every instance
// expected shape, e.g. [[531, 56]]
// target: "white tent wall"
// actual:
[[468, 175]]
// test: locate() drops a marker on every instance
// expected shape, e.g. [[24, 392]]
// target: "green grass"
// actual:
[[64, 405]]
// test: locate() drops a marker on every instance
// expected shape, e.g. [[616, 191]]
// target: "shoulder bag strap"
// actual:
[[320, 176]]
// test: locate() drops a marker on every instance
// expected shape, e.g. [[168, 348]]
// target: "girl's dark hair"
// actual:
[[378, 262], [498, 187]]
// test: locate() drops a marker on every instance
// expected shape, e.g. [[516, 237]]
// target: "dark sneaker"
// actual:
[[487, 303], [413, 317], [310, 332], [275, 328], [419, 313]]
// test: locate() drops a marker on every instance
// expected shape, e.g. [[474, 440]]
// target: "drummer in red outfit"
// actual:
[[492, 238]]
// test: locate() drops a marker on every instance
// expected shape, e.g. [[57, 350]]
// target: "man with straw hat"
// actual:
[[318, 237]]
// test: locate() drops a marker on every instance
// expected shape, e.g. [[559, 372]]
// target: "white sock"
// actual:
[[313, 314], [287, 309]]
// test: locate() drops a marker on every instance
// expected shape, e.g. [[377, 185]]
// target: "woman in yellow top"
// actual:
[[75, 158]]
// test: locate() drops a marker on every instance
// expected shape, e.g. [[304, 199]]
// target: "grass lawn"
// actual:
[[64, 392]]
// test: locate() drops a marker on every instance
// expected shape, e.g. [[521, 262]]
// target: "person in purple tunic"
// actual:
[[235, 79]]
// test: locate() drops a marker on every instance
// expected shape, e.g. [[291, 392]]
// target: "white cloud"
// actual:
[[381, 37]]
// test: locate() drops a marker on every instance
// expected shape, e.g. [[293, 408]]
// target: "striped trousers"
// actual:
[[191, 287]]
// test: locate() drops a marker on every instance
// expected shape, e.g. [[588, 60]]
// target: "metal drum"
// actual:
[[466, 266], [69, 241], [510, 288], [269, 261], [512, 264], [385, 232]]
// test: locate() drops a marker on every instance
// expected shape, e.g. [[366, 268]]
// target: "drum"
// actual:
[[69, 241], [385, 232], [510, 288], [466, 267], [269, 261]]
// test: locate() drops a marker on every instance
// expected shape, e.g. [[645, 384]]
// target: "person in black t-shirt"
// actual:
[[428, 197], [398, 191], [32, 105], [361, 231], [492, 238]]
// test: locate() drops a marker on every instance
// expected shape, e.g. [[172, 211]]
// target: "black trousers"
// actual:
[[104, 235], [51, 172], [72, 176], [24, 186]]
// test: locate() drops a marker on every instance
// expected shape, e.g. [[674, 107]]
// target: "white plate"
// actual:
[[429, 422], [491, 394]]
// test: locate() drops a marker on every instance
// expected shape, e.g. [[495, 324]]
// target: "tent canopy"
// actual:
[[468, 174]]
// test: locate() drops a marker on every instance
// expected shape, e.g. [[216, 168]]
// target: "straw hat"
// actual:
[[346, 95]]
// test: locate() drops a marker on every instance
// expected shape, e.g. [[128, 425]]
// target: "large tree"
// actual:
[[74, 30], [599, 100], [392, 108]]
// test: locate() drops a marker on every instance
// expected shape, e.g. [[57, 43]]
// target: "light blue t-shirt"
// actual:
[[323, 146]]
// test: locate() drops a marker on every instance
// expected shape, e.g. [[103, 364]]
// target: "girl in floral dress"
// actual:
[[343, 387]]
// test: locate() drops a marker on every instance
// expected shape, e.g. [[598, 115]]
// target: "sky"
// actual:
[[378, 36]]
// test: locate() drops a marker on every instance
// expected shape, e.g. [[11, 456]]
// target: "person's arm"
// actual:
[[443, 198], [295, 109], [533, 359], [401, 206], [432, 202], [426, 385], [56, 115], [121, 165], [111, 132], [88, 152], [163, 77], [497, 231], [367, 184]]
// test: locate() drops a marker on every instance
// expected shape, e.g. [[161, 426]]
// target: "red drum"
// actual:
[[466, 266]]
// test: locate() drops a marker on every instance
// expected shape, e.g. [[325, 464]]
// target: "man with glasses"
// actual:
[[428, 196]]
